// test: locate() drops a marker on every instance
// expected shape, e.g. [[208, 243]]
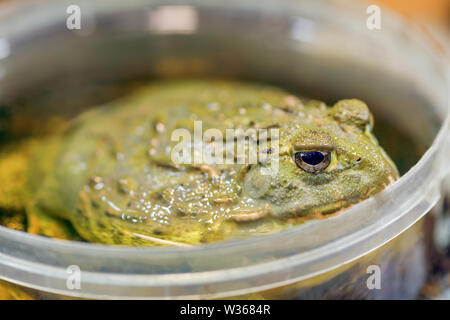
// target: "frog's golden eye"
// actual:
[[312, 161]]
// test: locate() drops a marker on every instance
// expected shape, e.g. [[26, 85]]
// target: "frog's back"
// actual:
[[115, 158]]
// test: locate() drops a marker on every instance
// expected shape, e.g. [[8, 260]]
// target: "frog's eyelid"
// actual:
[[314, 147]]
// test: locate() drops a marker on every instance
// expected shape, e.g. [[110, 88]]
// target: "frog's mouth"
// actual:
[[320, 212], [299, 210], [294, 215]]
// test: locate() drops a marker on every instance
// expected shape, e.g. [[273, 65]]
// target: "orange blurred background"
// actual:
[[434, 12]]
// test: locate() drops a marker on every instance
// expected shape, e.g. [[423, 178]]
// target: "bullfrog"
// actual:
[[113, 172]]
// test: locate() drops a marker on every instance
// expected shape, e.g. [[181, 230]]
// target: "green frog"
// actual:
[[115, 172]]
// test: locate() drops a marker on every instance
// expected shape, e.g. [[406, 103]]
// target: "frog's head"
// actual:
[[325, 165]]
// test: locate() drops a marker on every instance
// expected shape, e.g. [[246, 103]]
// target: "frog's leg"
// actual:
[[14, 197], [250, 215], [13, 164], [39, 155], [40, 223]]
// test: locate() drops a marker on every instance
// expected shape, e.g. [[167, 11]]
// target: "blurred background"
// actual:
[[434, 14]]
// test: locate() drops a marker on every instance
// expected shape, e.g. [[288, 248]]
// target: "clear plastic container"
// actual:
[[320, 48]]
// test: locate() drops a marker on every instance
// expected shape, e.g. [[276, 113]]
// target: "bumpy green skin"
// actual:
[[112, 176]]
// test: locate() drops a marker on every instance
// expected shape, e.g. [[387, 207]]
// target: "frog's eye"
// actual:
[[312, 161]]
